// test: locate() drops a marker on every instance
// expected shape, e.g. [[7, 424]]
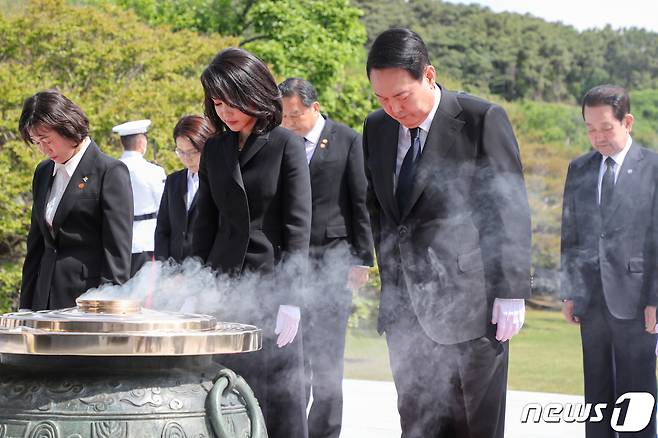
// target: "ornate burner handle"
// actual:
[[225, 382]]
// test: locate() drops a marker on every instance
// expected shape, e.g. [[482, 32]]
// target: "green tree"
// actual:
[[314, 39]]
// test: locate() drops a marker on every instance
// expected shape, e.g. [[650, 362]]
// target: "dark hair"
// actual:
[[131, 142], [196, 129], [52, 110], [399, 48], [243, 81], [610, 95], [301, 88]]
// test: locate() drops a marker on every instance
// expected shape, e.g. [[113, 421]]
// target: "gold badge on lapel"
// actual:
[[324, 143]]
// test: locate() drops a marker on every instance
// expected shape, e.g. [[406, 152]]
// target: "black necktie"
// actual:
[[407, 170], [607, 184]]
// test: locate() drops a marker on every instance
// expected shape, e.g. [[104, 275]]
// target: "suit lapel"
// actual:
[[180, 194], [236, 160], [385, 150], [251, 148], [232, 159], [587, 190], [44, 185], [626, 179], [73, 189], [321, 149], [440, 139]]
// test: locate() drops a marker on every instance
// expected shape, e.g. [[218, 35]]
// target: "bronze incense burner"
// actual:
[[109, 368]]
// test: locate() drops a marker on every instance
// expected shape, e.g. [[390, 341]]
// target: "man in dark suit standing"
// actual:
[[451, 226], [340, 230], [608, 263]]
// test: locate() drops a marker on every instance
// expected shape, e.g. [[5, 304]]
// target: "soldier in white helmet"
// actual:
[[147, 181]]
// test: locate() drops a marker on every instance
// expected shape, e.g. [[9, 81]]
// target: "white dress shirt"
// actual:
[[192, 187], [147, 180], [618, 159], [404, 135], [63, 174], [312, 138]]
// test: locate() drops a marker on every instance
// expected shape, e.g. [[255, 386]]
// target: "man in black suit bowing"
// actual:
[[340, 230], [608, 263], [451, 227]]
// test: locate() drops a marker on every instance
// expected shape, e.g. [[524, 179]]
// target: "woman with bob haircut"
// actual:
[[254, 221], [81, 225], [173, 233]]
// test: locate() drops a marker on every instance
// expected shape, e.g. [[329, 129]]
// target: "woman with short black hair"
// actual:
[[254, 207], [81, 226], [173, 233]]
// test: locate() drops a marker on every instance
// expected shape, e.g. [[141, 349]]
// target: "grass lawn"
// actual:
[[545, 356]]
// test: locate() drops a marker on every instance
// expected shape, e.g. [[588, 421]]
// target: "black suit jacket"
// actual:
[[615, 251], [92, 230], [254, 206], [464, 238], [173, 233], [339, 189]]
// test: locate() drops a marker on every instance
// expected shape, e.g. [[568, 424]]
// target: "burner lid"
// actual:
[[122, 328]]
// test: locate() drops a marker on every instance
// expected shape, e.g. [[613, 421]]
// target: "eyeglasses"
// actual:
[[186, 154], [40, 141], [296, 115]]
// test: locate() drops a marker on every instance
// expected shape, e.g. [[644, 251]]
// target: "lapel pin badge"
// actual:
[[629, 171], [324, 143], [84, 178], [81, 185]]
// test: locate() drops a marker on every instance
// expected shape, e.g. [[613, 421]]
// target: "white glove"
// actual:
[[24, 310], [287, 324], [508, 315]]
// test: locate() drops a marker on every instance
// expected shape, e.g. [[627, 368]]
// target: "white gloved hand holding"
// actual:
[[508, 315], [287, 324]]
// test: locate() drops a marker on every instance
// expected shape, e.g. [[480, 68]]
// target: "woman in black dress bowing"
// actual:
[[254, 207]]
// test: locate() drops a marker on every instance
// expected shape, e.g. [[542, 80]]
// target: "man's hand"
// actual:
[[357, 277], [509, 316], [287, 324], [650, 319], [567, 311]]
